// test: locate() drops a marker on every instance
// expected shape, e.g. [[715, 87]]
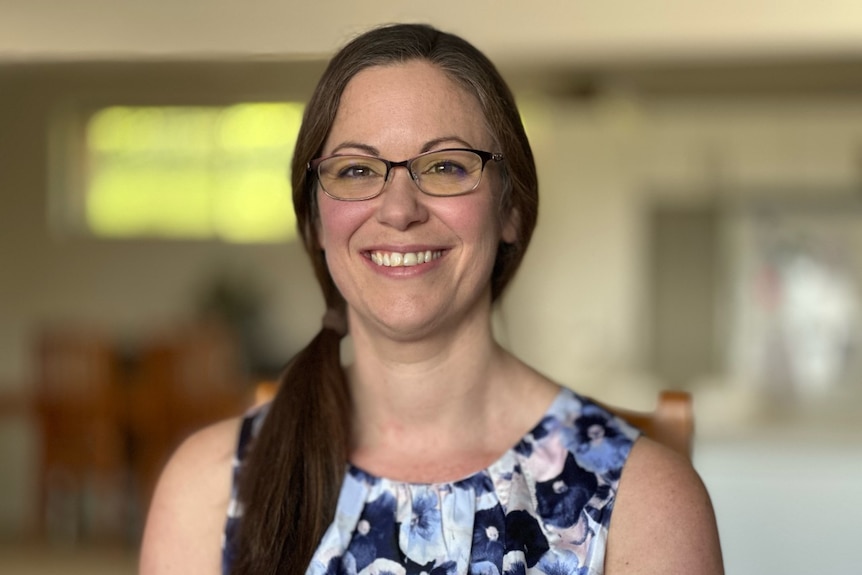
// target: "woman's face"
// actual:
[[397, 112]]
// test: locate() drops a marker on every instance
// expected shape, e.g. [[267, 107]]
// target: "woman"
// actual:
[[436, 451]]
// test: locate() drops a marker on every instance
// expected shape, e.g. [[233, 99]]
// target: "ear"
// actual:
[[511, 225]]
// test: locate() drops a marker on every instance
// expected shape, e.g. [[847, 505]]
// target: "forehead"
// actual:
[[401, 107]]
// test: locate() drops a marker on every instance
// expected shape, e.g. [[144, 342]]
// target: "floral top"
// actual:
[[543, 507]]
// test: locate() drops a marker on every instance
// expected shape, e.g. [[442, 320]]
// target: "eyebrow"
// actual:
[[427, 147], [370, 150], [437, 141]]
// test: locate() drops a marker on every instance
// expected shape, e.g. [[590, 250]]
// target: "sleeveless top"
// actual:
[[544, 507]]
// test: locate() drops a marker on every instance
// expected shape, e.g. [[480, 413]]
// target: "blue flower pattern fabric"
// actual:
[[543, 508]]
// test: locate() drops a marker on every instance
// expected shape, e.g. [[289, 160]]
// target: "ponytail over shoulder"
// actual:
[[294, 471]]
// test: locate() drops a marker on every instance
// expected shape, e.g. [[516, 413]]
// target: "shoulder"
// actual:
[[184, 526], [663, 521]]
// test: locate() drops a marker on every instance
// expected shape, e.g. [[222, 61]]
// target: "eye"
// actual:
[[356, 170], [454, 165], [446, 166]]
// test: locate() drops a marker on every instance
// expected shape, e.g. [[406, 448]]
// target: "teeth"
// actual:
[[397, 259]]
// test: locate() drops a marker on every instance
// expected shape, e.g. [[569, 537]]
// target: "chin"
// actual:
[[408, 329]]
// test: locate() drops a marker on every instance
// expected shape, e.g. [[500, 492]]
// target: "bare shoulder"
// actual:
[[663, 520], [188, 512]]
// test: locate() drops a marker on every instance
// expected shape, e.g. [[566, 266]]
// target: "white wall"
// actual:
[[542, 29]]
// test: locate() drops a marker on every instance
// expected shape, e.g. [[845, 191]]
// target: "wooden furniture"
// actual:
[[80, 411], [108, 422], [185, 379], [671, 423]]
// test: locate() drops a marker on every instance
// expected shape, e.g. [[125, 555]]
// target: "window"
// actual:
[[184, 172]]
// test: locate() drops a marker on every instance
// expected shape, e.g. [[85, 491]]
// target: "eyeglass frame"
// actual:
[[314, 165]]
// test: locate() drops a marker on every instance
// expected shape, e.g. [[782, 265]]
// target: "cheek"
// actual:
[[478, 222], [337, 221]]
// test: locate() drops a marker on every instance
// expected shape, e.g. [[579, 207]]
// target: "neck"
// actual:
[[425, 379], [454, 402]]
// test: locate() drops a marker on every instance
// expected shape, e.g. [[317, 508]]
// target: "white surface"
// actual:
[[786, 506], [583, 30]]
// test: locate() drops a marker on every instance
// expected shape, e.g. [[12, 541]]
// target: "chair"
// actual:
[[186, 378], [671, 423], [82, 463]]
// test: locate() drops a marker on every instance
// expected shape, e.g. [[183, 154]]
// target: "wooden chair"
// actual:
[[82, 461], [671, 423], [186, 378]]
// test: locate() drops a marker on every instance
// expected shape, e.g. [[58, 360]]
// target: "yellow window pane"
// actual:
[[162, 130], [251, 126], [254, 206], [150, 201], [192, 172]]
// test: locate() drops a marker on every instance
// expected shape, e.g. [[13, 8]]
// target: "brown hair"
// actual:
[[292, 477]]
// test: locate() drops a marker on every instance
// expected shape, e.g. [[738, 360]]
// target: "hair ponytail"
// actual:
[[294, 471]]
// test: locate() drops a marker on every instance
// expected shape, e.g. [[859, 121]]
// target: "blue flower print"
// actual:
[[426, 516], [345, 565], [229, 552], [516, 568], [542, 429], [385, 567], [561, 563], [523, 533], [484, 568], [524, 448], [362, 476], [561, 499], [489, 536], [375, 534], [421, 533], [446, 568], [480, 483], [599, 445]]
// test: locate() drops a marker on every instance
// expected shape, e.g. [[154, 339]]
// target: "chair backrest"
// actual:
[[82, 449], [186, 377], [77, 396], [671, 423], [75, 367]]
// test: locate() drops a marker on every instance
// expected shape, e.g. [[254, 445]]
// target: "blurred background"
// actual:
[[700, 229]]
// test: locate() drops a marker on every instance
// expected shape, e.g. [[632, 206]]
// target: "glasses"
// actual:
[[449, 172]]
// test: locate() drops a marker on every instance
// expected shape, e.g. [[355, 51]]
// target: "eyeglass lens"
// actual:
[[440, 173]]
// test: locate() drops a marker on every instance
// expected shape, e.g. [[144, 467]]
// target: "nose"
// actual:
[[401, 202]]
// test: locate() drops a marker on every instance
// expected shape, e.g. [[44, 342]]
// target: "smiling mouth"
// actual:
[[408, 259]]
